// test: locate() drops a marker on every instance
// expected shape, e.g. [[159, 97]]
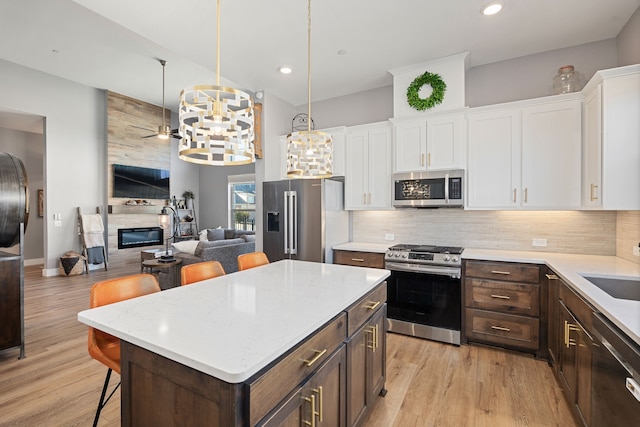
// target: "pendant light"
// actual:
[[164, 130], [309, 153], [216, 122]]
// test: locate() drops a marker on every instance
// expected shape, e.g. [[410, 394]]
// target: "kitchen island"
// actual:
[[237, 349]]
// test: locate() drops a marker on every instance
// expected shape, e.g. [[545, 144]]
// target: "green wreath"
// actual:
[[438, 87]]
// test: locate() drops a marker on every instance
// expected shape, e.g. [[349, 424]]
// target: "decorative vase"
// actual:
[[566, 81], [189, 203]]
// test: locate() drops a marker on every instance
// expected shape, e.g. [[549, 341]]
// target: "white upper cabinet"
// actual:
[[368, 167], [525, 155], [611, 159], [551, 155], [429, 143]]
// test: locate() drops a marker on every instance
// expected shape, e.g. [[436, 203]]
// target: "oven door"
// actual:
[[424, 298]]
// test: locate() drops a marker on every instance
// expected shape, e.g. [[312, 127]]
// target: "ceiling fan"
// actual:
[[164, 131]]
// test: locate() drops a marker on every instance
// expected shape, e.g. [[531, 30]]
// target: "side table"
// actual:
[[167, 272]]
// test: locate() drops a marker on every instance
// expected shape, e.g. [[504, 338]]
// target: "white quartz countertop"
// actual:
[[625, 314], [363, 247], [232, 326]]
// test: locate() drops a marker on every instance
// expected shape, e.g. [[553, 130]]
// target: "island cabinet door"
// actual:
[[320, 402], [366, 367]]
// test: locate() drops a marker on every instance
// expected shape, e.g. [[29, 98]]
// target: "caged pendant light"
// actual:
[[216, 122], [309, 153]]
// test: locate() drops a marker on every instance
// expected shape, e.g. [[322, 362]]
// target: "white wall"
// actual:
[[29, 148], [75, 148], [629, 41]]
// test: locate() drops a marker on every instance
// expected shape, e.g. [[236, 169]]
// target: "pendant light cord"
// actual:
[[163, 62]]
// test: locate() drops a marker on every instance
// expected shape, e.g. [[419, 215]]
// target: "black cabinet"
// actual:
[[10, 301]]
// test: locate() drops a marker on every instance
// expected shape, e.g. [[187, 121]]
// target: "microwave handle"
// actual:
[[446, 188]]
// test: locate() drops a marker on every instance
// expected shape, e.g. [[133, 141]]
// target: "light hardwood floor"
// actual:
[[428, 383]]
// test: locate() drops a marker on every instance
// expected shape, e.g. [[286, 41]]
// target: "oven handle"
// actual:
[[454, 273]]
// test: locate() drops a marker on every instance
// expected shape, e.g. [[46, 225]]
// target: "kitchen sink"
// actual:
[[618, 287]]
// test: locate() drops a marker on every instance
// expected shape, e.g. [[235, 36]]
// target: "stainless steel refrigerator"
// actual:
[[303, 219]]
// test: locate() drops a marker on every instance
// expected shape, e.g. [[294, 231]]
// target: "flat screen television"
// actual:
[[135, 182]]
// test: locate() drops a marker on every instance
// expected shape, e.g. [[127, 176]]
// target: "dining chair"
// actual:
[[199, 271], [103, 347], [252, 259]]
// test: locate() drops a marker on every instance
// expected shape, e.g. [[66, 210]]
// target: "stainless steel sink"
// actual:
[[618, 287]]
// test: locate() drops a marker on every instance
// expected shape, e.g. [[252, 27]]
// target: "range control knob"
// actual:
[[446, 258], [405, 255], [455, 259], [397, 254]]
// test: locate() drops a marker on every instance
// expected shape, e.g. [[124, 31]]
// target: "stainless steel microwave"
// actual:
[[428, 189]]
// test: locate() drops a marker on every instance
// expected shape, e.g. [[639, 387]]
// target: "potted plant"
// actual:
[[188, 197]]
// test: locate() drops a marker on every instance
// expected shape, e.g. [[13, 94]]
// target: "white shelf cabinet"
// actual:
[[611, 151], [525, 155], [429, 143], [368, 167]]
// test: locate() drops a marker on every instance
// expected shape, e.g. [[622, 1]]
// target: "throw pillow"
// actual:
[[215, 234], [202, 235], [249, 237], [187, 246], [229, 233]]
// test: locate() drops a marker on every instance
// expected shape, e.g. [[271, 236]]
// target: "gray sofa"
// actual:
[[223, 248]]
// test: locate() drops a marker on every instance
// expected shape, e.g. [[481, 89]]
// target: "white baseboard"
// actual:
[[50, 272], [35, 261]]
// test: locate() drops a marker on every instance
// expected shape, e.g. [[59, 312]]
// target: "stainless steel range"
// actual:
[[424, 291]]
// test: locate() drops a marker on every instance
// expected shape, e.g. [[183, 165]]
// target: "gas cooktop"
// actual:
[[425, 255], [429, 249]]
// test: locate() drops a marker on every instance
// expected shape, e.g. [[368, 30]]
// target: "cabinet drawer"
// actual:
[[580, 309], [359, 312], [504, 329], [512, 272], [269, 389], [505, 297], [359, 259]]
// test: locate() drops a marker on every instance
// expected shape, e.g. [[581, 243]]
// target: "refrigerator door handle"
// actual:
[[293, 232], [286, 221]]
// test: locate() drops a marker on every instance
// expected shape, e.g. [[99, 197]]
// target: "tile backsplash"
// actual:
[[628, 234], [579, 232]]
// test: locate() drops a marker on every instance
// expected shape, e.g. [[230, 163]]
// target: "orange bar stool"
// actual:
[[197, 272], [250, 260], [103, 347]]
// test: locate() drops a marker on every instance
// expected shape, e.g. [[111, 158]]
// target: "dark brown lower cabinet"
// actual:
[[10, 301], [574, 350], [366, 366], [321, 401]]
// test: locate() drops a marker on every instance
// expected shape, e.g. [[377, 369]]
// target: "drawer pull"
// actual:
[[357, 259], [500, 328], [315, 358], [551, 276], [370, 305], [501, 272], [500, 296]]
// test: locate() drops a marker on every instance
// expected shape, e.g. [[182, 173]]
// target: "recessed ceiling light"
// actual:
[[491, 8], [285, 69], [342, 52]]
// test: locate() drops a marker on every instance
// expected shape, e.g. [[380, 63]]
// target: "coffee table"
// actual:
[[167, 272]]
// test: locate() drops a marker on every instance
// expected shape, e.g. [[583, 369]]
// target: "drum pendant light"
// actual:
[[216, 122], [309, 153]]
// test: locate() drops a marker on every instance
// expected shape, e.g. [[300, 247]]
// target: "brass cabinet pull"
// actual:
[[501, 328], [377, 336], [500, 296], [318, 391], [364, 198], [312, 404], [429, 159], [501, 272], [566, 334], [526, 194], [357, 259], [371, 305], [514, 194], [591, 196], [369, 198], [372, 331], [422, 159], [315, 358], [551, 276]]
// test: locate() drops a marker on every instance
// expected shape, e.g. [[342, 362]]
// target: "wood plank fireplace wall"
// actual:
[[127, 119]]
